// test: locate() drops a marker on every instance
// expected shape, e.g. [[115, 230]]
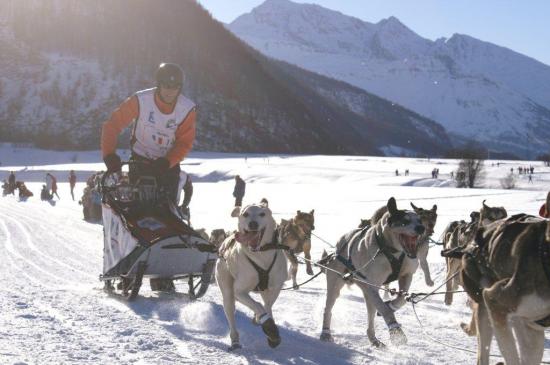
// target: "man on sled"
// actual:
[[162, 135]]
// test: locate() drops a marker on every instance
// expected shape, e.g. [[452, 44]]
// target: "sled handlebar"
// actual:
[[145, 188], [123, 163], [110, 173]]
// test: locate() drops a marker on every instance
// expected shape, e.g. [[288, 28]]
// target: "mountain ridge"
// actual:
[[69, 70], [475, 89]]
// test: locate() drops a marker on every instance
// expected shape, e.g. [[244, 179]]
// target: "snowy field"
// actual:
[[53, 309]]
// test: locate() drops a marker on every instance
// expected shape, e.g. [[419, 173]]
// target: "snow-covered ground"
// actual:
[[53, 309]]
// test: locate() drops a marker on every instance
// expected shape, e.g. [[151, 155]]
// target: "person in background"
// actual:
[[11, 183], [45, 193], [51, 184], [239, 190], [543, 211], [238, 193], [72, 182]]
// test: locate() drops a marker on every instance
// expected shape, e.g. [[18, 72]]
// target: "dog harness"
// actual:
[[346, 261], [395, 263], [263, 275], [544, 252]]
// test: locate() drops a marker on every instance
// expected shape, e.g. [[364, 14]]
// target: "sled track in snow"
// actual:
[[68, 243], [44, 256], [13, 253]]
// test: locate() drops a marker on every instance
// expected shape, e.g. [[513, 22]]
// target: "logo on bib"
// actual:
[[151, 117], [158, 139], [171, 124]]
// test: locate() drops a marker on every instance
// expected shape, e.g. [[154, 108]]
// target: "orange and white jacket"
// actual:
[[160, 129]]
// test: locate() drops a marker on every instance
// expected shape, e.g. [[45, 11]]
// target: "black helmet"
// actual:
[[169, 74]]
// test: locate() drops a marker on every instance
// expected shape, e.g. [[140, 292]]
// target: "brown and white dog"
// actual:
[[245, 266], [461, 235], [297, 233], [369, 253], [428, 217], [506, 271]]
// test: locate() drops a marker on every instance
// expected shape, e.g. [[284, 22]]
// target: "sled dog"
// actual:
[[297, 233], [217, 236], [249, 261], [506, 271], [463, 234], [428, 217], [377, 255]]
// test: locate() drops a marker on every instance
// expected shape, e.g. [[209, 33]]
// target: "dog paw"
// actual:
[[397, 336], [274, 343], [467, 330], [378, 344], [272, 332], [234, 346], [429, 282], [296, 287], [309, 270], [448, 300], [327, 337]]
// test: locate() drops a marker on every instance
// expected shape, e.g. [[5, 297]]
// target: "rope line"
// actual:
[[464, 349], [412, 296], [305, 282], [323, 240], [352, 276]]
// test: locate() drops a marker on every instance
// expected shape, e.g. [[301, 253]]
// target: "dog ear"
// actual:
[[264, 203], [392, 206], [298, 212], [415, 207], [434, 208], [485, 205], [312, 211]]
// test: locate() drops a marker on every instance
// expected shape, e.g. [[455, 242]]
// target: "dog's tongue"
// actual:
[[409, 244], [251, 239]]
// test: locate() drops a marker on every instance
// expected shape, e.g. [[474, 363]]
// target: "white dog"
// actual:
[[249, 261]]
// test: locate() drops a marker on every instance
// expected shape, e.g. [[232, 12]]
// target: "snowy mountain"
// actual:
[[476, 90], [61, 76]]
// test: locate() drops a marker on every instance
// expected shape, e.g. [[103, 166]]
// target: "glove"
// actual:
[[113, 163], [160, 165]]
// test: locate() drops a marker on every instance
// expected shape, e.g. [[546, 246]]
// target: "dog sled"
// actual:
[[146, 237]]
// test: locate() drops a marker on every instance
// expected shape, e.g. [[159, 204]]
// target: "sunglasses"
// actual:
[[170, 86]]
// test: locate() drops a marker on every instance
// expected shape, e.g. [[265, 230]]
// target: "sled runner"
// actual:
[[146, 237]]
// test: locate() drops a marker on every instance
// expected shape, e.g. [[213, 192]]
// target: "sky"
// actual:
[[519, 25]]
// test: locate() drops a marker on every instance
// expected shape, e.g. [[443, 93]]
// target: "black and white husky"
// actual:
[[376, 256]]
